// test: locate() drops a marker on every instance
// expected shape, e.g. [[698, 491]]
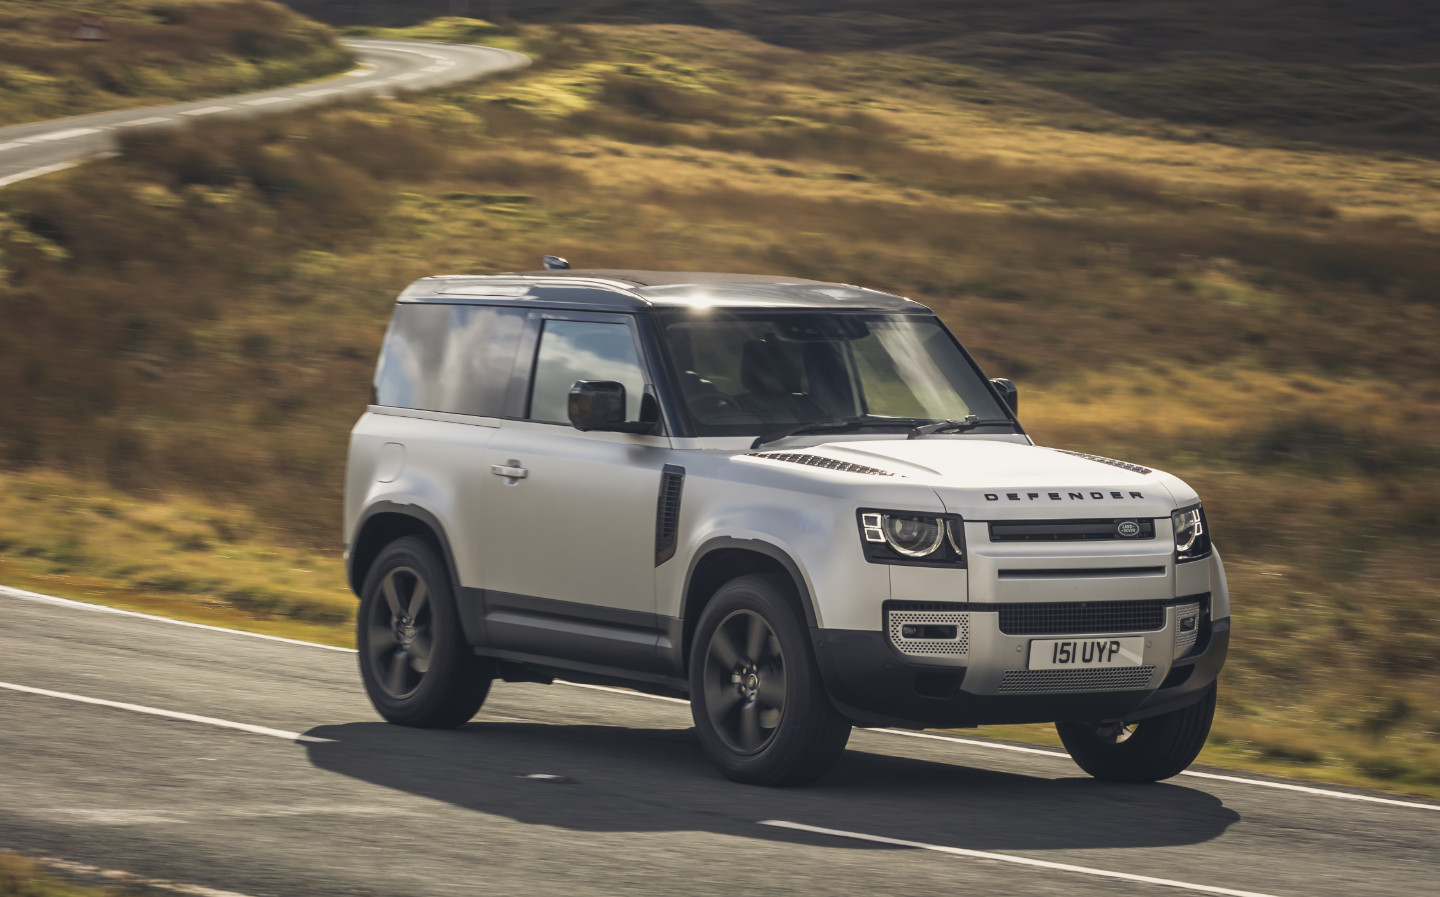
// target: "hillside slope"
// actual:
[[155, 52], [1340, 72], [195, 323]]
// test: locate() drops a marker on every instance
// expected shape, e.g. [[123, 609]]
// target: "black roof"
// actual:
[[618, 289]]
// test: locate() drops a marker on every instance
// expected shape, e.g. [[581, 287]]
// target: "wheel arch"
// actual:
[[383, 523], [722, 559]]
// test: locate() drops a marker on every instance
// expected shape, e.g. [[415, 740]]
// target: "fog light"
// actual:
[[929, 632]]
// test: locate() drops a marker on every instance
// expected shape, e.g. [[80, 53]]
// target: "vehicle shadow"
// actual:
[[625, 779]]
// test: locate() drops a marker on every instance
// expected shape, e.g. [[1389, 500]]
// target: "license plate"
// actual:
[[1086, 653]]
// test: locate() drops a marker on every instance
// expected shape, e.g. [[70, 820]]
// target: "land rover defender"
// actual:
[[799, 504]]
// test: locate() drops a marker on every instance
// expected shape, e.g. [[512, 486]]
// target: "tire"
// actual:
[[760, 707], [1146, 751], [417, 666]]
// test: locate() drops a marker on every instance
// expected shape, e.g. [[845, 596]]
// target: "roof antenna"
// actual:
[[556, 263]]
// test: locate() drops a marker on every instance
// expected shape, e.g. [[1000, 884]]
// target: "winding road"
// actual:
[[38, 148], [224, 763]]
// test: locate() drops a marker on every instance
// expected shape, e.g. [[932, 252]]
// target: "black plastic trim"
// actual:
[[567, 631], [720, 543], [667, 512], [1081, 573], [869, 684], [413, 511]]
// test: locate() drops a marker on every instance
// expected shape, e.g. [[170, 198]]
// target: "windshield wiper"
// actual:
[[957, 426], [841, 426]]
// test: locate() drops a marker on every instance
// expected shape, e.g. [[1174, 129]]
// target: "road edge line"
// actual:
[[1016, 860], [167, 714]]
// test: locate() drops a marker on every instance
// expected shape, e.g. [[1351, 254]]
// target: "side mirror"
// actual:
[[600, 405], [1008, 393]]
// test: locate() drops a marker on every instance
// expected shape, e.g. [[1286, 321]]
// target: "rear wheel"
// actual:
[[1145, 751], [417, 667], [756, 695]]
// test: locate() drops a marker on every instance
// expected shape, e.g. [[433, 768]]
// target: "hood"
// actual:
[[983, 479]]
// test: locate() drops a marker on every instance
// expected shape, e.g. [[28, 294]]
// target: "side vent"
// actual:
[[818, 461], [1123, 465], [667, 512]]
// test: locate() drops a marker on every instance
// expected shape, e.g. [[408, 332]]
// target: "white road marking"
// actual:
[[116, 875], [208, 110], [61, 135], [37, 172], [323, 92], [437, 67], [364, 70], [264, 101], [152, 120], [24, 595], [6, 591], [405, 77], [14, 144], [1019, 861], [975, 742], [168, 714]]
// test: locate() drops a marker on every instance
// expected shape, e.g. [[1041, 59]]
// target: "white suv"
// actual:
[[800, 504]]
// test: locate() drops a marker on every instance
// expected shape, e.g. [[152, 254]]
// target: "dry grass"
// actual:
[[201, 316], [23, 877], [179, 50]]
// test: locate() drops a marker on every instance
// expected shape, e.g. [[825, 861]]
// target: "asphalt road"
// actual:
[[324, 798], [37, 148]]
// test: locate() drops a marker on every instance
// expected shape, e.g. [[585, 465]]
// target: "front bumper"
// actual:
[[875, 685]]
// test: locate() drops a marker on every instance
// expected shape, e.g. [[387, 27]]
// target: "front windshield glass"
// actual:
[[745, 373]]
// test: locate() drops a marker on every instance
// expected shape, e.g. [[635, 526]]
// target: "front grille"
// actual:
[[897, 620], [1124, 679], [820, 461], [1082, 618], [1070, 530]]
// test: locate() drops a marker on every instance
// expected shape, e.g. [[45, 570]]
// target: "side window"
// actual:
[[454, 358], [583, 350]]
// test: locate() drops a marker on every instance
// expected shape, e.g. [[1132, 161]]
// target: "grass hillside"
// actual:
[[188, 331], [157, 52], [1341, 72]]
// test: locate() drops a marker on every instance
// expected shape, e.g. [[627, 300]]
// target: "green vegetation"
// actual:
[[156, 52], [21, 877], [196, 321]]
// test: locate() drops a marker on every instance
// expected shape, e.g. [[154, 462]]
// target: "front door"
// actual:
[[568, 518]]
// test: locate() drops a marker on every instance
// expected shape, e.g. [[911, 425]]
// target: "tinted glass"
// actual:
[[583, 350], [453, 358], [744, 373]]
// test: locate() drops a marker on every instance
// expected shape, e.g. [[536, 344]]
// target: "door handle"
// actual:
[[510, 470]]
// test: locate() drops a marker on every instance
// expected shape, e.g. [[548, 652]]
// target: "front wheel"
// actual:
[[1145, 751], [417, 667], [759, 705]]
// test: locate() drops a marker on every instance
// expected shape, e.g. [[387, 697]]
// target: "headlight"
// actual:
[[898, 537], [1192, 536]]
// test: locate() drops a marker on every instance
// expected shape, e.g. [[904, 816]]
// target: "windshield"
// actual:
[[746, 373]]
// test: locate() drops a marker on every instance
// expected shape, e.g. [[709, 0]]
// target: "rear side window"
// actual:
[[453, 358], [583, 350]]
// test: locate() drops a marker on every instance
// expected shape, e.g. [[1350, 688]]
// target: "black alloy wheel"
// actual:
[[760, 707], [417, 666], [745, 682], [402, 634]]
